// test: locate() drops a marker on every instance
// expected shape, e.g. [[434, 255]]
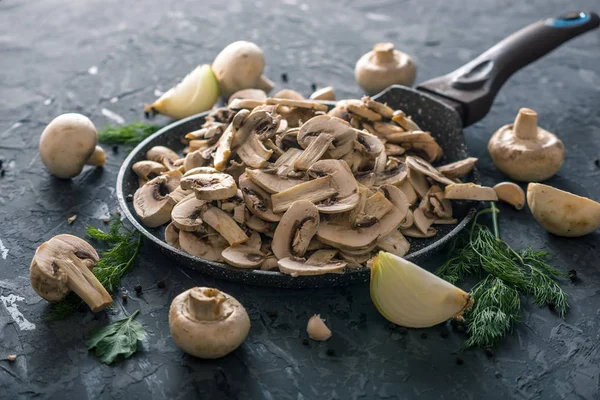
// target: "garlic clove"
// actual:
[[410, 296], [317, 330], [197, 92]]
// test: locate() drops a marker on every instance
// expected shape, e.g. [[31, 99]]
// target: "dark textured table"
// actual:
[[106, 58]]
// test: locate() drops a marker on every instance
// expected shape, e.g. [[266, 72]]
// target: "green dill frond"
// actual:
[[126, 134]]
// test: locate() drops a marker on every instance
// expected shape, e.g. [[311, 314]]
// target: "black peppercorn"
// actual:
[[272, 314], [424, 335], [305, 341], [331, 352], [138, 288], [459, 361], [552, 306], [1, 163], [161, 284], [124, 298], [2, 172], [460, 329], [597, 162], [115, 149], [573, 275], [284, 78], [489, 352]]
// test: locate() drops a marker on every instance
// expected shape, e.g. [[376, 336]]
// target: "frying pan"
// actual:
[[442, 106]]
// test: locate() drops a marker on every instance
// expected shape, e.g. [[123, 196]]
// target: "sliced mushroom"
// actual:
[[470, 191], [269, 264], [254, 94], [271, 183], [260, 225], [314, 190], [253, 153], [427, 169], [408, 221], [394, 150], [326, 93], [194, 160], [298, 103], [355, 260], [459, 168], [257, 200], [392, 176], [394, 243], [288, 94], [343, 134], [179, 194], [418, 181], [369, 144], [415, 232], [422, 222], [409, 191], [377, 205], [405, 122], [379, 108], [442, 207], [388, 129], [295, 230], [338, 231], [346, 188], [162, 154], [295, 266], [444, 221], [362, 111], [397, 197], [172, 235], [201, 170], [285, 163], [245, 104], [147, 170], [210, 186], [186, 214], [243, 256], [322, 256], [254, 241], [152, 202], [206, 244], [313, 152], [220, 221], [223, 151]]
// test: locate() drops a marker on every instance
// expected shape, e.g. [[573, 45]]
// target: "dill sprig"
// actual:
[[507, 272], [126, 134], [124, 246]]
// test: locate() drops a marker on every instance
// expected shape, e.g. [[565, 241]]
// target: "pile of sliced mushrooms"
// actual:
[[283, 183]]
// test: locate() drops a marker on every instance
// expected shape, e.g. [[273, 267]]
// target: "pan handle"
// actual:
[[475, 85]]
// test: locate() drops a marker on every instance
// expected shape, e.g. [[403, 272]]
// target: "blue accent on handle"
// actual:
[[568, 20]]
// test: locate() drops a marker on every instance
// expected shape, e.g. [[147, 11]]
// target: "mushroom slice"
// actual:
[[379, 108], [253, 153], [421, 221], [257, 200], [288, 94], [254, 241], [470, 191], [172, 235], [271, 183], [179, 194], [313, 152], [394, 243], [345, 185], [239, 214], [445, 221], [152, 202], [377, 205], [326, 93], [408, 221], [186, 214], [205, 244], [220, 221], [295, 230], [248, 104], [147, 170], [223, 151], [298, 103], [428, 147], [315, 190], [409, 191], [269, 264], [296, 266], [369, 144], [387, 129], [405, 122], [254, 94], [210, 186], [397, 197], [341, 109], [356, 214], [322, 256], [161, 154], [414, 232], [343, 134], [427, 169], [285, 163], [365, 178], [458, 169], [355, 260], [442, 207], [243, 256], [418, 182], [259, 225], [201, 170], [64, 264], [392, 176], [394, 150], [338, 231], [194, 160]]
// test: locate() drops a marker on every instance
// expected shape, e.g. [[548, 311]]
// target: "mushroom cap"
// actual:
[[186, 214], [288, 94], [208, 323], [525, 152], [152, 202], [206, 244], [295, 230], [562, 213], [49, 281], [384, 66], [238, 66], [243, 256], [67, 143]]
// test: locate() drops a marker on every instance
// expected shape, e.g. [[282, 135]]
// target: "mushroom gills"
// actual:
[[295, 230], [217, 186], [243, 256], [152, 202], [185, 215], [314, 190]]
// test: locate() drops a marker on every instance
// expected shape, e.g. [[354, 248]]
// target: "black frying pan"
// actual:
[[441, 106]]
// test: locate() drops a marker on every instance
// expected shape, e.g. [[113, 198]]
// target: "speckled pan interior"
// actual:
[[431, 115]]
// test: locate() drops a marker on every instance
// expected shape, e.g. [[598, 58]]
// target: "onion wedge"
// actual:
[[410, 296]]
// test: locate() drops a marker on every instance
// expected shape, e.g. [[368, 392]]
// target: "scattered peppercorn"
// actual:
[[497, 374], [11, 357], [597, 162], [146, 114], [552, 306], [284, 78], [305, 341], [444, 334], [1, 163], [460, 329], [272, 315], [161, 284], [459, 361], [129, 198], [489, 352], [2, 172], [331, 352], [313, 86], [424, 335], [124, 298], [138, 288], [115, 149], [573, 275]]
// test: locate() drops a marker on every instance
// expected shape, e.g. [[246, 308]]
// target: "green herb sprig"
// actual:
[[127, 134], [506, 274], [124, 246], [117, 338]]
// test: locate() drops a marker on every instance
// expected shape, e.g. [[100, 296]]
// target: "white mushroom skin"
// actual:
[[208, 323], [68, 143], [384, 66], [317, 330]]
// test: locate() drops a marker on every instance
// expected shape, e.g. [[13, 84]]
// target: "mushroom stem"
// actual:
[[384, 52], [205, 304], [83, 282], [98, 157], [525, 126]]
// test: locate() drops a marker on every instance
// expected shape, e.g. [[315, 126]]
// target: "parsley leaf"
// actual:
[[117, 338]]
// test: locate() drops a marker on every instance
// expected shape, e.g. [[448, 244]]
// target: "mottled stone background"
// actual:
[[106, 58]]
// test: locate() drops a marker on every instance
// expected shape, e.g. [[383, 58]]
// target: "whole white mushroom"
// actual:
[[68, 143]]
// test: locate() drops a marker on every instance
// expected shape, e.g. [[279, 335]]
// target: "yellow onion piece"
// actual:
[[197, 92], [408, 295]]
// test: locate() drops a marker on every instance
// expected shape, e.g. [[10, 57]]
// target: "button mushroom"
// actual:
[[68, 143], [384, 66], [239, 66], [64, 264], [562, 213], [326, 93], [208, 323], [525, 152]]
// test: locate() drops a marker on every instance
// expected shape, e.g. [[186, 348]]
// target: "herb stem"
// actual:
[[495, 220]]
